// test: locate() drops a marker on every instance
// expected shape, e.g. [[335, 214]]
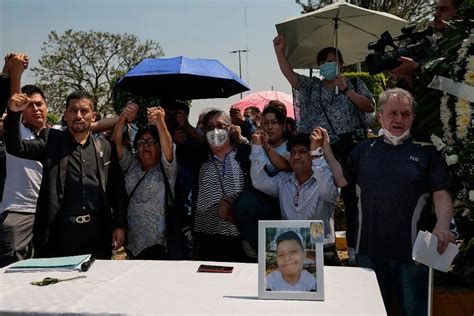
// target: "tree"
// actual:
[[411, 10], [90, 61]]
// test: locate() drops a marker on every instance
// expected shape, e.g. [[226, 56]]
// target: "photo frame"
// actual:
[[291, 260]]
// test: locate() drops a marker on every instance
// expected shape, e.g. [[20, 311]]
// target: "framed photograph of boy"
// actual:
[[291, 260]]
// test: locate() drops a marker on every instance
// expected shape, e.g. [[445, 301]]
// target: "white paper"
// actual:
[[424, 251]]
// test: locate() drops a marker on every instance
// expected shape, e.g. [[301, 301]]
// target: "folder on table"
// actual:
[[49, 264]]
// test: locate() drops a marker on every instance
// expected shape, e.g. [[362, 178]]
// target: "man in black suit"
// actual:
[[80, 174]]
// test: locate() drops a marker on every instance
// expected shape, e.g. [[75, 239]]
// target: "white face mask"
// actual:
[[217, 137], [395, 140]]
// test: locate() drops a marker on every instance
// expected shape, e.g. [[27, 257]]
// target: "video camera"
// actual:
[[410, 44]]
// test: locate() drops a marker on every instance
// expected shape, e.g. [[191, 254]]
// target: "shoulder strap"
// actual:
[[359, 114], [138, 183], [169, 198], [354, 83]]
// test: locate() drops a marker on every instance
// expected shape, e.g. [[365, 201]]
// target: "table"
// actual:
[[174, 287]]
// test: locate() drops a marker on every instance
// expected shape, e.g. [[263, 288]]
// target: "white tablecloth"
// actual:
[[174, 287]]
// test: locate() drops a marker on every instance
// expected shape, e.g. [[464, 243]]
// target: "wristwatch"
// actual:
[[317, 153]]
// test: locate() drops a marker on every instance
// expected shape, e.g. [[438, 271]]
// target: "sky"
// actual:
[[192, 28]]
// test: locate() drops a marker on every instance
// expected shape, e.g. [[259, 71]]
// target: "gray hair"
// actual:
[[397, 93]]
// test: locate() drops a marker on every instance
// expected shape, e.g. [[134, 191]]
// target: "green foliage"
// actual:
[[375, 83], [89, 61], [122, 97], [411, 10], [52, 118]]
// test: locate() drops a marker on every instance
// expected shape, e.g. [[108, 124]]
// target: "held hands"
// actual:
[[129, 112], [156, 115], [15, 64], [279, 43], [236, 117], [259, 137], [316, 138], [235, 129], [18, 102]]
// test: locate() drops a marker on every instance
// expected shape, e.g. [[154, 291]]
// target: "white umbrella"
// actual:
[[343, 25]]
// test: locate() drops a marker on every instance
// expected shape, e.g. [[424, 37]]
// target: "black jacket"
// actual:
[[52, 148]]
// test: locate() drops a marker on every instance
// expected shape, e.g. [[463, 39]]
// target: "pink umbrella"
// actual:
[[260, 99]]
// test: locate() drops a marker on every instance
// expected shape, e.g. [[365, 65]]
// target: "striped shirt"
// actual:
[[210, 194], [314, 199]]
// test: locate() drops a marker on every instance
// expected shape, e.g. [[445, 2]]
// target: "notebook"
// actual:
[[49, 264]]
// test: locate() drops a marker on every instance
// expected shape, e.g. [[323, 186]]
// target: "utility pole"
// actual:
[[240, 62]]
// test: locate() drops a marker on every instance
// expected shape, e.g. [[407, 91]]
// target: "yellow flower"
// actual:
[[470, 65], [470, 78]]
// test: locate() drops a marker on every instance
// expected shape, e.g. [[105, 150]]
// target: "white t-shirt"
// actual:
[[276, 282], [23, 181]]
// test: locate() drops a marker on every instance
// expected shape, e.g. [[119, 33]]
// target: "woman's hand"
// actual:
[[316, 138], [279, 43], [156, 115], [341, 82], [260, 137], [130, 111], [18, 102]]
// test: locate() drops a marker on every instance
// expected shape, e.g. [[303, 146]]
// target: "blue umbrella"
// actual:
[[181, 78]]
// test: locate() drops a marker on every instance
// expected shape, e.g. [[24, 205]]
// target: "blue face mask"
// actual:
[[328, 70]]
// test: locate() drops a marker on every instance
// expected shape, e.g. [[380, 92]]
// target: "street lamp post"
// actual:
[[240, 63]]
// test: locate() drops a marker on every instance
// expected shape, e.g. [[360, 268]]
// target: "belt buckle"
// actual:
[[83, 219]]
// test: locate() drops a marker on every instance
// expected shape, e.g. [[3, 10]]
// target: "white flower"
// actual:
[[456, 203], [445, 116], [437, 142], [471, 195], [451, 160]]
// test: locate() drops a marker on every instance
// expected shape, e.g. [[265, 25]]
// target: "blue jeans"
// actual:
[[406, 281]]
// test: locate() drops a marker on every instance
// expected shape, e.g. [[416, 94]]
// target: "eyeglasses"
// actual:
[[219, 126], [150, 142], [296, 197]]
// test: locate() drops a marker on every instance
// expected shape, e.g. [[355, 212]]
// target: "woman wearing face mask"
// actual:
[[349, 110], [145, 182], [221, 170], [345, 108]]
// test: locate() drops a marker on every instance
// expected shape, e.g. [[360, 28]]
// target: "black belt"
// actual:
[[81, 219]]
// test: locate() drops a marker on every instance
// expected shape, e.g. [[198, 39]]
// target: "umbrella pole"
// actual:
[[336, 27], [430, 291]]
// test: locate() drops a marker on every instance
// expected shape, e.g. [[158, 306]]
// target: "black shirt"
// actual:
[[82, 187]]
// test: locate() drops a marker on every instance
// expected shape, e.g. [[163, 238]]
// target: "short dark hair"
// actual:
[[298, 139], [290, 235], [30, 89], [280, 117], [142, 131], [176, 105], [277, 104], [323, 54], [79, 94], [253, 109]]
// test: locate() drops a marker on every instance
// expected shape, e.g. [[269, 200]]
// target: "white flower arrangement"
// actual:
[[456, 143]]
